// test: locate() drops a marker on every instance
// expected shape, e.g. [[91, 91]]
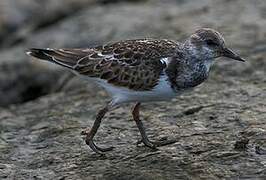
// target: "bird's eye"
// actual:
[[211, 43]]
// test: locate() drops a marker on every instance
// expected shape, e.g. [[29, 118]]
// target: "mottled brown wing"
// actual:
[[135, 64]]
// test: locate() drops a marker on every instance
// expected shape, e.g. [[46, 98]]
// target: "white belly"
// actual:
[[161, 92]]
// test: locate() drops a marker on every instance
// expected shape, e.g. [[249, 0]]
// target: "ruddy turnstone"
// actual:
[[142, 70]]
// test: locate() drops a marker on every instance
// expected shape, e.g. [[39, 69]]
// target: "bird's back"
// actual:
[[133, 64]]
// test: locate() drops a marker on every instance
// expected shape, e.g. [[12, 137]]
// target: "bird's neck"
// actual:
[[188, 70], [197, 56]]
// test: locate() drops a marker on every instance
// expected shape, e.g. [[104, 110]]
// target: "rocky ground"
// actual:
[[220, 126]]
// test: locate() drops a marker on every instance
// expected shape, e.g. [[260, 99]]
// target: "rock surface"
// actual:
[[220, 125]]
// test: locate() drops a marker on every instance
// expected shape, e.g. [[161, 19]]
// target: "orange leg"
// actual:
[[142, 131], [90, 134]]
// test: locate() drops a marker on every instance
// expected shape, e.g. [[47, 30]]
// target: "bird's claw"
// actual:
[[154, 145], [97, 149]]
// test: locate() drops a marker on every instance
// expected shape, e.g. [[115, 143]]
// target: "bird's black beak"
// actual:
[[231, 54]]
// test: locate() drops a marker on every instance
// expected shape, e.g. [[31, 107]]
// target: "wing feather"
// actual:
[[135, 64]]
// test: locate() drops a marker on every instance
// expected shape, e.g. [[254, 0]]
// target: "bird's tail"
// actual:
[[44, 54], [63, 57]]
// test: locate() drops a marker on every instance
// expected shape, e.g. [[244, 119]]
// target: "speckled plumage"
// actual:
[[134, 64], [142, 70]]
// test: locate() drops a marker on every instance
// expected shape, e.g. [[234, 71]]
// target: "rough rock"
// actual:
[[220, 128], [19, 18], [220, 125]]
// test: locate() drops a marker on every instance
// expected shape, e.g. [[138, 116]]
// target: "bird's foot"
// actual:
[[155, 144], [97, 149], [89, 141]]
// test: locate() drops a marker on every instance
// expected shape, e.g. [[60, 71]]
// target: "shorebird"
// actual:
[[141, 70]]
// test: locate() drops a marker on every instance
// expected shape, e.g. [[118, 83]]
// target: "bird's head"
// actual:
[[208, 44]]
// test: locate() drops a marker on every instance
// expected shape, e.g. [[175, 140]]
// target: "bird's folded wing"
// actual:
[[134, 64]]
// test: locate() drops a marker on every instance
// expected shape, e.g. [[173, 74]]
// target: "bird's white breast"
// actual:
[[162, 91]]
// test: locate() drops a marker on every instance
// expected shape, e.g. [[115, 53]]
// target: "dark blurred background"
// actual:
[[221, 124], [84, 23]]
